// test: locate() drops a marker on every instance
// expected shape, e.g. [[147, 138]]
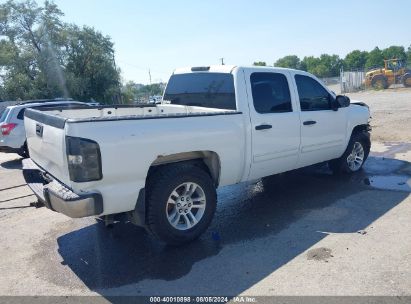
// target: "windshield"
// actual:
[[3, 114], [210, 90]]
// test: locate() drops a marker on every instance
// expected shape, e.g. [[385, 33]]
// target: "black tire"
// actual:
[[379, 82], [340, 165], [161, 184], [406, 80]]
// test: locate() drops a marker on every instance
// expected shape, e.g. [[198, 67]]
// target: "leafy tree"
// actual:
[[129, 92], [134, 92], [333, 64], [323, 66], [394, 52], [355, 60], [290, 61], [375, 58], [89, 64], [43, 57], [260, 63], [309, 63], [409, 55]]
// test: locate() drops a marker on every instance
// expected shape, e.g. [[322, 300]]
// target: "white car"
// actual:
[[13, 135], [161, 164]]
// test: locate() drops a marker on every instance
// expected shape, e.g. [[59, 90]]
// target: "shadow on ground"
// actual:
[[295, 210], [12, 164]]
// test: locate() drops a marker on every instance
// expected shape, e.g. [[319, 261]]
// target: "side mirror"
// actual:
[[342, 101]]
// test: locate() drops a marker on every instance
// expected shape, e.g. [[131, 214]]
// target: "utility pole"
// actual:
[[149, 93], [222, 61]]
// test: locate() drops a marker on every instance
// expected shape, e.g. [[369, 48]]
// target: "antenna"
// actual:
[[149, 75], [222, 61]]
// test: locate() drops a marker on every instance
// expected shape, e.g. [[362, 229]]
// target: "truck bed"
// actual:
[[121, 112], [131, 139]]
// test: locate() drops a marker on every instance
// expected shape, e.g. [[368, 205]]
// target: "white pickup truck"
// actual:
[[161, 164]]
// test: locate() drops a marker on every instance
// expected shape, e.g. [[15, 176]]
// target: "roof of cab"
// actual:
[[224, 69]]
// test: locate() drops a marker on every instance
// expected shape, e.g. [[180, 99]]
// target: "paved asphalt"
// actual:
[[303, 233]]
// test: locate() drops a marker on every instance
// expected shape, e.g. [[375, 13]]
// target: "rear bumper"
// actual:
[[57, 196]]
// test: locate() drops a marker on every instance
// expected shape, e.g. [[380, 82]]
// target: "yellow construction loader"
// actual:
[[393, 72]]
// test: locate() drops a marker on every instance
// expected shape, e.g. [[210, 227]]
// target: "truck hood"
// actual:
[[359, 103]]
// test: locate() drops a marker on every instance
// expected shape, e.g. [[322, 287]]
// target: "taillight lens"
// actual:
[[84, 159], [7, 128]]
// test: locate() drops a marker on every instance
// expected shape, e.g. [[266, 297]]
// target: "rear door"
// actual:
[[322, 129], [275, 122]]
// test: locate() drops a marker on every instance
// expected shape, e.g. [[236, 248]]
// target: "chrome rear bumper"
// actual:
[[59, 197]]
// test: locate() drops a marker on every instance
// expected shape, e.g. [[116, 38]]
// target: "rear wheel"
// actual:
[[379, 82], [181, 202], [406, 80], [354, 156]]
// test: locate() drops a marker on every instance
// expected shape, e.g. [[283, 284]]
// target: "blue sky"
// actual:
[[163, 35]]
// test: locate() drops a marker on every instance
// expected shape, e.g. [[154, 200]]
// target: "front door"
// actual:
[[322, 128]]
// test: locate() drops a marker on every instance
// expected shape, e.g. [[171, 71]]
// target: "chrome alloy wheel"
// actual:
[[185, 206], [356, 158]]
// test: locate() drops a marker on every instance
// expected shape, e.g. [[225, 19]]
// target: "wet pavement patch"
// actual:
[[390, 182], [319, 254]]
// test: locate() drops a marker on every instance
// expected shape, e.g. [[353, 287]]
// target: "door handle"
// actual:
[[263, 127], [309, 122]]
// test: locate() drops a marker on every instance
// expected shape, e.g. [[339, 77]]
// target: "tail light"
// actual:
[[7, 128], [84, 159]]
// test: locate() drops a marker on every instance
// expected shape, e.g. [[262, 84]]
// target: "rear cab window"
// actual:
[[210, 90]]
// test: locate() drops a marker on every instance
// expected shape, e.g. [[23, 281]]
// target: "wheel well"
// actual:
[[361, 128], [207, 160], [365, 128]]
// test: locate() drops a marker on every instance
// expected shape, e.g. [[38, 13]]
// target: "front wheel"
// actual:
[[379, 82], [354, 156], [181, 203], [406, 80]]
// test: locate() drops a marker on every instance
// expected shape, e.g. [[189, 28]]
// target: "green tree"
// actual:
[[323, 66], [355, 60], [134, 92], [43, 57], [290, 61], [309, 63], [332, 63], [89, 69], [129, 92], [375, 58], [259, 63], [394, 52], [409, 55]]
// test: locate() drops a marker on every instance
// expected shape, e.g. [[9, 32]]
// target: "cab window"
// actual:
[[313, 96], [271, 93]]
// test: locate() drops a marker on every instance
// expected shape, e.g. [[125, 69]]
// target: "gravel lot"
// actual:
[[307, 233], [391, 113]]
